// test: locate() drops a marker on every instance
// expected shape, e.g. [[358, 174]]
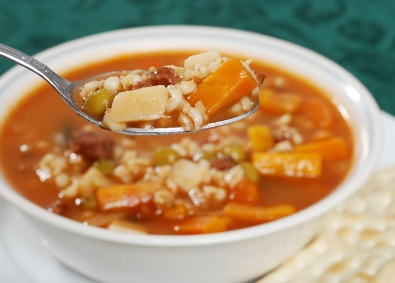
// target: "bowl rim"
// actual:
[[302, 216]]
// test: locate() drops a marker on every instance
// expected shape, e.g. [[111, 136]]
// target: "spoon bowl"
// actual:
[[67, 90]]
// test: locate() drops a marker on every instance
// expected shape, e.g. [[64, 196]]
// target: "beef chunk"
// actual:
[[260, 77], [223, 163], [93, 145], [164, 76], [142, 84]]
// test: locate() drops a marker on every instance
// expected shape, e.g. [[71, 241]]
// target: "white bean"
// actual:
[[194, 115], [189, 74], [111, 83], [175, 100], [236, 109], [130, 79], [246, 103], [187, 87], [204, 59], [89, 87], [202, 109], [185, 121]]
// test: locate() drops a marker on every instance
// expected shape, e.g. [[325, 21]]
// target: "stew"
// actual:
[[287, 156]]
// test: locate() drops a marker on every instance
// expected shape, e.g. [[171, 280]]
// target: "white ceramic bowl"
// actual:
[[235, 256]]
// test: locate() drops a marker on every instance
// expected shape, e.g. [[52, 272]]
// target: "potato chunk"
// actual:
[[144, 104], [186, 175]]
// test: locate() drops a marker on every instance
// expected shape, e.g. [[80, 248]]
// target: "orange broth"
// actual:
[[31, 128]]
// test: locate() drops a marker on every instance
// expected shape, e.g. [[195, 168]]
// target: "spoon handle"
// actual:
[[60, 84]]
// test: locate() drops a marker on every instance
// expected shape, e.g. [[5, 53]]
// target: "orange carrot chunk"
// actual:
[[179, 211], [318, 112], [261, 137], [203, 225], [245, 192], [257, 214], [294, 164], [279, 103], [334, 148], [125, 198], [228, 83]]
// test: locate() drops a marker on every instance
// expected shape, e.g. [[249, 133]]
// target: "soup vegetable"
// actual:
[[287, 156], [173, 96]]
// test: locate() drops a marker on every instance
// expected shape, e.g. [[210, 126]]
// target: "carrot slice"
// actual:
[[179, 211], [279, 103], [334, 148], [257, 214], [245, 192], [126, 198], [318, 112], [294, 164], [261, 137], [203, 225], [228, 83]]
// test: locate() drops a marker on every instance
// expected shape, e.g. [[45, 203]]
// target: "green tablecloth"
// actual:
[[357, 34]]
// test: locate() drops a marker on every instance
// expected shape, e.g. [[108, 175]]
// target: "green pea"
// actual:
[[106, 166], [235, 151], [165, 156], [208, 156], [97, 103], [250, 171], [89, 203]]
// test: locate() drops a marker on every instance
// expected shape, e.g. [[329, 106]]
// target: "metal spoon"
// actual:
[[66, 89]]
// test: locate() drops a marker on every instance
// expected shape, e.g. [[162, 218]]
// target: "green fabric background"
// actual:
[[357, 34]]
